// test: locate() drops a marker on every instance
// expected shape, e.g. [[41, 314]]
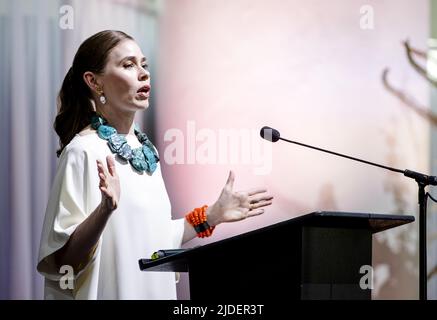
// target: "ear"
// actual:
[[93, 82]]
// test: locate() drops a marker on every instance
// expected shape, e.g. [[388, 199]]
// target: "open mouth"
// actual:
[[144, 89]]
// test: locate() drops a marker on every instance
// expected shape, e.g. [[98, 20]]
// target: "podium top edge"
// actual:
[[376, 222], [335, 219], [406, 218]]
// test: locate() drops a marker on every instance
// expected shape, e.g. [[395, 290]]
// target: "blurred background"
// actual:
[[357, 77]]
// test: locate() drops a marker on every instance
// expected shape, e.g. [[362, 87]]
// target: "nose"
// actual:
[[144, 75]]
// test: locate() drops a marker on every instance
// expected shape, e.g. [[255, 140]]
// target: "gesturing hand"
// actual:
[[109, 183], [235, 206]]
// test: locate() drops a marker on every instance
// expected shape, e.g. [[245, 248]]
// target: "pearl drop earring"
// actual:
[[102, 99]]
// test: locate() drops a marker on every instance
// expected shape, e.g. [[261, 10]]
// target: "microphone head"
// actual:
[[270, 134]]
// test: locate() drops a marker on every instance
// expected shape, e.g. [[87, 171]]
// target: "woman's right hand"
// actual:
[[109, 184]]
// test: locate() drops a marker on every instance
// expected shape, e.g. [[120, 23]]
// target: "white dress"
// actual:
[[140, 225]]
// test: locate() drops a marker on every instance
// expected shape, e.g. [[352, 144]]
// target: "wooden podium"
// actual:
[[314, 256]]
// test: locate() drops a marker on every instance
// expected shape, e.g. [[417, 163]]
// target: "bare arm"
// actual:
[[79, 248]]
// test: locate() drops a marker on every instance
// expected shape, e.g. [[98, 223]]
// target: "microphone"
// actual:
[[270, 134]]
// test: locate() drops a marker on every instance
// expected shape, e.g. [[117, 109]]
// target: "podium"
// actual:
[[320, 255]]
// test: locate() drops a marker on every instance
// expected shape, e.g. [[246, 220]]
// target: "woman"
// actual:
[[108, 206]]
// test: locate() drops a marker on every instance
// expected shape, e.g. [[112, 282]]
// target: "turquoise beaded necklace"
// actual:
[[142, 159]]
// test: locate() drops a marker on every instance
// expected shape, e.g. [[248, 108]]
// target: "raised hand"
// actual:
[[109, 183], [235, 206]]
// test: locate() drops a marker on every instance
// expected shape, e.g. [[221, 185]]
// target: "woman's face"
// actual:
[[126, 80]]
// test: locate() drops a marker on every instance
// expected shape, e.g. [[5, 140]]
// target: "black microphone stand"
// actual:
[[422, 181]]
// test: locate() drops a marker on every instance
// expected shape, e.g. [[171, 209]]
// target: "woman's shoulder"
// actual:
[[84, 142]]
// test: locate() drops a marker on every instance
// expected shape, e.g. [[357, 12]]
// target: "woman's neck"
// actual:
[[123, 122]]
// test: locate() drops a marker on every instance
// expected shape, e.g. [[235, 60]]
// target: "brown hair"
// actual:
[[74, 100]]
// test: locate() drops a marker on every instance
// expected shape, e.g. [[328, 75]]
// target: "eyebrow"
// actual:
[[143, 59]]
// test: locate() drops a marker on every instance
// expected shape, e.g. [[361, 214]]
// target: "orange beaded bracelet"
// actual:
[[197, 218]]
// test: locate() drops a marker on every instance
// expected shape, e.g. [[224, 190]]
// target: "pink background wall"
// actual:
[[309, 70]]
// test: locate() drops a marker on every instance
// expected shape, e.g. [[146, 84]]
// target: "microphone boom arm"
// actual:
[[344, 156]]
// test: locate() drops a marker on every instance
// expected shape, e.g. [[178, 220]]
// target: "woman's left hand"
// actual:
[[234, 206]]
